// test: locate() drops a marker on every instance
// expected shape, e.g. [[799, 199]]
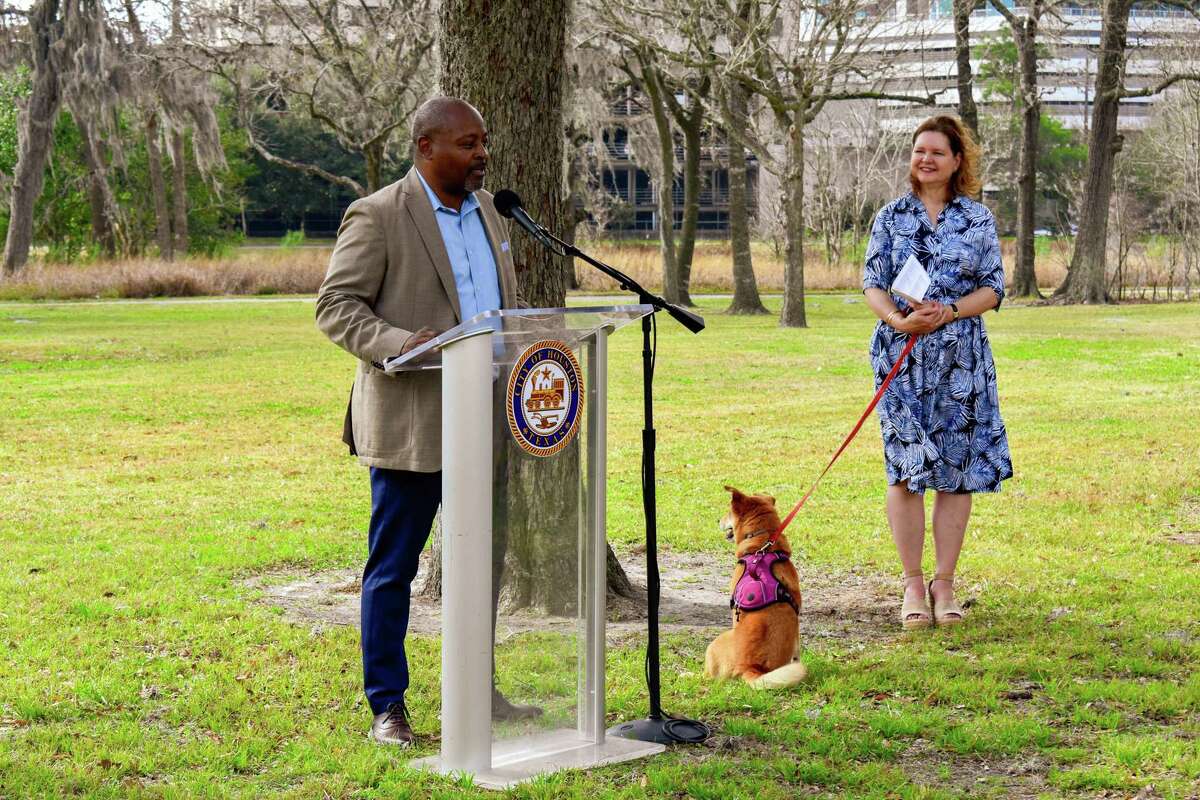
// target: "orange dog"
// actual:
[[762, 646]]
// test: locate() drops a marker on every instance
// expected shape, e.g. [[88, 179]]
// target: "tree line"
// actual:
[[168, 106]]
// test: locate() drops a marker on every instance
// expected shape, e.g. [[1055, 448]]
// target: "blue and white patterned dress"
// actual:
[[940, 417]]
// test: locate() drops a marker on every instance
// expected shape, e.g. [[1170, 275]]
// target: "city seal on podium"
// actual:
[[545, 398]]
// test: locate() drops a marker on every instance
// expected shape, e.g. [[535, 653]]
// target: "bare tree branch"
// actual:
[[308, 169], [1161, 86]]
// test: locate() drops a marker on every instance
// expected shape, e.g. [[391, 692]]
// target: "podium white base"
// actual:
[[519, 760]]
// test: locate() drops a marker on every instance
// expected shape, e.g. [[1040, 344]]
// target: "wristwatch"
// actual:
[[954, 308]]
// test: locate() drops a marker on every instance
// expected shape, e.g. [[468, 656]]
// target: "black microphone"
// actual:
[[508, 203]]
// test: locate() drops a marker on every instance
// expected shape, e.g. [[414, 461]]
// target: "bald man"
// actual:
[[411, 261]]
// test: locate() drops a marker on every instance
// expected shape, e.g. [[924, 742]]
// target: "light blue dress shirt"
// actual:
[[470, 253]]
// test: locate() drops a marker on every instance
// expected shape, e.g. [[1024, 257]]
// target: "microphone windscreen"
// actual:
[[505, 201]]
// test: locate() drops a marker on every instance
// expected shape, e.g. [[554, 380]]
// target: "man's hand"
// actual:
[[926, 318], [419, 338]]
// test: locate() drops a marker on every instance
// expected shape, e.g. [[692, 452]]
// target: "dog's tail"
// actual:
[[788, 675]]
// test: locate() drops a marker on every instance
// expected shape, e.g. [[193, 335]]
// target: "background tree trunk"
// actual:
[[691, 121], [373, 154], [179, 192], [101, 202], [654, 89], [35, 133], [1085, 277], [962, 54], [158, 187], [691, 212], [746, 299], [792, 315], [1025, 34], [519, 91]]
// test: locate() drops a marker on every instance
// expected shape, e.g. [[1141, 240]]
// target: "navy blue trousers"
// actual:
[[403, 505]]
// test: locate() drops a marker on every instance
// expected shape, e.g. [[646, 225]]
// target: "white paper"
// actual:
[[912, 282]]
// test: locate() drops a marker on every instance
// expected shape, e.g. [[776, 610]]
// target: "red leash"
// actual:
[[912, 340]]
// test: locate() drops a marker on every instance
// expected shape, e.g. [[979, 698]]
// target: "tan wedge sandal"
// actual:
[[946, 612], [915, 614]]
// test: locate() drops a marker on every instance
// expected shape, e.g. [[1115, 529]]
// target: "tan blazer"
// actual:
[[390, 276]]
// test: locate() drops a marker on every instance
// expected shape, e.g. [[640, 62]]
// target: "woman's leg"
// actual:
[[906, 516], [950, 515]]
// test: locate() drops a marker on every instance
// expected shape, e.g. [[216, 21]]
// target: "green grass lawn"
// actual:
[[154, 456]]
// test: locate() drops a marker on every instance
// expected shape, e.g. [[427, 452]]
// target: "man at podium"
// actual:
[[411, 260]]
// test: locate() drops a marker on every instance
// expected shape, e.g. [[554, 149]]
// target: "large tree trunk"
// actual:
[[158, 188], [746, 299], [962, 54], [666, 180], [35, 134], [690, 121], [373, 154], [691, 212], [179, 192], [1025, 277], [101, 202], [792, 315], [519, 92], [735, 112], [1085, 277], [574, 214], [158, 185]]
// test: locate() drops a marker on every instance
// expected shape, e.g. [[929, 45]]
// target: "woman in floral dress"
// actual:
[[940, 417]]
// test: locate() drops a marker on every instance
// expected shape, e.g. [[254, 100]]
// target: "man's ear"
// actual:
[[424, 147]]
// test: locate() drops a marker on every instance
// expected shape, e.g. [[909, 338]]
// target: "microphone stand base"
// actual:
[[661, 730]]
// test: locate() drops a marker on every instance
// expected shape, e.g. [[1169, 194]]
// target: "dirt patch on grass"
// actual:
[[851, 605], [1187, 530], [1019, 777]]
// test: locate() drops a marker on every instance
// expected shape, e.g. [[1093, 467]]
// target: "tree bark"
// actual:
[[746, 299], [1025, 35], [574, 214], [101, 203], [792, 315], [691, 213], [35, 134], [179, 192], [158, 188], [373, 155], [666, 181], [691, 122], [967, 109], [519, 91], [1085, 277]]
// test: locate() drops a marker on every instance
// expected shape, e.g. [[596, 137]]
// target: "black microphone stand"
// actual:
[[659, 726]]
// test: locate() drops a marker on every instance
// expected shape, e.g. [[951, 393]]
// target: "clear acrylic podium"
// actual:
[[545, 500]]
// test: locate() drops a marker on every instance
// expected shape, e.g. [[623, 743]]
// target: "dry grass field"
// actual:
[[298, 270]]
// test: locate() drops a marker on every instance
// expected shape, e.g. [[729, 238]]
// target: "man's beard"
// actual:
[[474, 182]]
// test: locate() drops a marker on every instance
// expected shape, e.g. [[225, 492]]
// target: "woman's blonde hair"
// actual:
[[965, 180]]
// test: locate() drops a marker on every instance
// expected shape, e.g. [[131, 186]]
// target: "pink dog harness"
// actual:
[[758, 587]]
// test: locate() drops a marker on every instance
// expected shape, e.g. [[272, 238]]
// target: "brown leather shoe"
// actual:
[[504, 710], [391, 727]]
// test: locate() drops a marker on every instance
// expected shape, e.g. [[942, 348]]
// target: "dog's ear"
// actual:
[[738, 501], [772, 499]]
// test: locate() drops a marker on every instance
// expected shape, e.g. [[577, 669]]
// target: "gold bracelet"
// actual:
[[888, 319]]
